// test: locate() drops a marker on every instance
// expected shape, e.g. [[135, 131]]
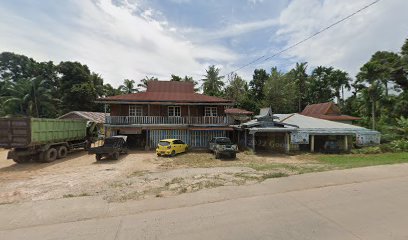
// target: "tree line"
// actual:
[[378, 93]]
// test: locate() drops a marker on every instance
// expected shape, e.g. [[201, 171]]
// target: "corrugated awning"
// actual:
[[211, 129]]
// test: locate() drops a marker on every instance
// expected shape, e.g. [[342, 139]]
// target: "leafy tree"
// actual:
[[280, 92], [319, 85], [128, 86], [175, 78], [257, 84], [212, 82], [108, 90], [78, 87], [14, 66], [237, 88]]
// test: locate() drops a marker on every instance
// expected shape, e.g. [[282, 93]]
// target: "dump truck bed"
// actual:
[[25, 132]]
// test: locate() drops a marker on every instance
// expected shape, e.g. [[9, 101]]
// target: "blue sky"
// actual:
[[135, 38]]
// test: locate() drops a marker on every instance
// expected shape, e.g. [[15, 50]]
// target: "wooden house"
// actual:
[[168, 109]]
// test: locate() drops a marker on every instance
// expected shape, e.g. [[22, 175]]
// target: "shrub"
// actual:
[[394, 146], [399, 145], [367, 150]]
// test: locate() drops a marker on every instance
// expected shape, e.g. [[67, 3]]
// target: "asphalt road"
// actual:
[[368, 203]]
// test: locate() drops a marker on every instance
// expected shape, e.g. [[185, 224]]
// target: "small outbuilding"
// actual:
[[287, 132]]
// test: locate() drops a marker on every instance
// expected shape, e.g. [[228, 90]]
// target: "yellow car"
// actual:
[[170, 147]]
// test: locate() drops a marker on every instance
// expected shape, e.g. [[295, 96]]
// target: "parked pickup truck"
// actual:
[[222, 146], [112, 148]]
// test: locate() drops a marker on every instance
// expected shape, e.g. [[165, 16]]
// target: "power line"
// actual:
[[304, 40]]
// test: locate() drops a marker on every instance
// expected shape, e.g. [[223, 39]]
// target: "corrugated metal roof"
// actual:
[[238, 111], [317, 125], [167, 91], [98, 117]]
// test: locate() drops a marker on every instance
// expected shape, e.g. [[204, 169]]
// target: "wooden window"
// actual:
[[135, 110], [210, 111], [174, 111]]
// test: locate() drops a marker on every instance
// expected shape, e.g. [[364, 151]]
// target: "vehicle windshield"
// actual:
[[164, 143], [223, 141]]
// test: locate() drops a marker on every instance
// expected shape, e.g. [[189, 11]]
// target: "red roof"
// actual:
[[167, 91], [238, 111], [328, 111]]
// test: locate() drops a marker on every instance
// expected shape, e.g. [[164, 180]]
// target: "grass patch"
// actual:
[[363, 160], [274, 175], [137, 174], [78, 195]]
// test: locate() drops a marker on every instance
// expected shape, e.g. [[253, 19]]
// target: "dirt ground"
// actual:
[[139, 175]]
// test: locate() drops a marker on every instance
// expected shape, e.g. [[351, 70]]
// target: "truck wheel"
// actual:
[[115, 155], [62, 151], [49, 156], [98, 157]]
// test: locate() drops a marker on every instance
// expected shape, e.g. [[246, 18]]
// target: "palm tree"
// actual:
[[32, 96], [128, 86], [213, 83], [338, 81], [145, 81], [370, 74], [300, 78]]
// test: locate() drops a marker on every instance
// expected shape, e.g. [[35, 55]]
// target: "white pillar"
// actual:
[[311, 143], [287, 142], [346, 143], [253, 141]]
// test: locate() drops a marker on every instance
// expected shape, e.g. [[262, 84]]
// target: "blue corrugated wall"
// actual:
[[197, 139]]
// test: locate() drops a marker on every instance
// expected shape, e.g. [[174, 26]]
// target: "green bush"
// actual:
[[394, 146], [399, 145], [367, 150]]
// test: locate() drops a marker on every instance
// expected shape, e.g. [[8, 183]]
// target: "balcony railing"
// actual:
[[152, 120]]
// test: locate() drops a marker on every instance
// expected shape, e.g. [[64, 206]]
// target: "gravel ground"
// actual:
[[138, 175]]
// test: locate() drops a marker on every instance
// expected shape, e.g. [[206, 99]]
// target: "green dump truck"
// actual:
[[44, 140]]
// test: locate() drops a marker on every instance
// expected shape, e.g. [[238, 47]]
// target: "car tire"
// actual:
[[173, 153], [98, 157], [49, 156], [115, 155], [158, 154], [217, 155], [62, 152], [233, 155]]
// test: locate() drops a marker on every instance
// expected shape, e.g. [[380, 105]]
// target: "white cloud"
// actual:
[[233, 30], [351, 43], [110, 40]]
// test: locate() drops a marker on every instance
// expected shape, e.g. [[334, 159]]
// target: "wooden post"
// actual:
[[311, 143], [148, 109], [346, 143]]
